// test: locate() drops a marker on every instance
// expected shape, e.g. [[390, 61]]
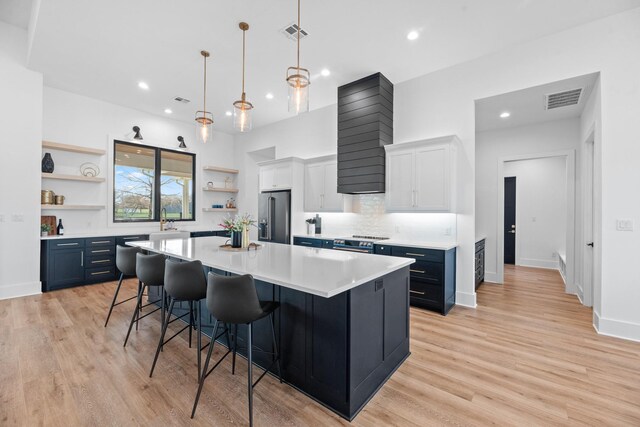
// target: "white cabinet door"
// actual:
[[313, 187], [267, 178], [400, 166], [332, 201], [432, 187], [283, 176]]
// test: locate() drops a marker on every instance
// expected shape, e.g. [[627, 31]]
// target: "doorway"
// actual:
[[585, 292], [510, 220]]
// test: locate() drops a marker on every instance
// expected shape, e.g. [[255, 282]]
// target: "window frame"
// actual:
[[157, 179]]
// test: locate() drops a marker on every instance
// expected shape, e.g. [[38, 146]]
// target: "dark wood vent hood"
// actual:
[[365, 126]]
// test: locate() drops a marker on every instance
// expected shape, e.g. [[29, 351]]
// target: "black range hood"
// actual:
[[365, 126]]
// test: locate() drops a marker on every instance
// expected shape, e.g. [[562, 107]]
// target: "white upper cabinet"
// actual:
[[321, 186], [276, 176], [421, 176]]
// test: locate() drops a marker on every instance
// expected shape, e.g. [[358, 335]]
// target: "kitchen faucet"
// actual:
[[163, 216]]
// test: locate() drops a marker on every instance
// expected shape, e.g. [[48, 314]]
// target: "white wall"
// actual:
[[491, 147], [78, 120], [21, 124], [541, 210]]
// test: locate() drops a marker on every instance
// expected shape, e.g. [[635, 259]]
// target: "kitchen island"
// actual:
[[343, 322]]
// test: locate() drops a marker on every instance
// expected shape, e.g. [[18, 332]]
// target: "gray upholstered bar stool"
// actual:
[[150, 271], [126, 263], [234, 300], [183, 282]]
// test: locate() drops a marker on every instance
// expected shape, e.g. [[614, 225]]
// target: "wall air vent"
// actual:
[[292, 32], [563, 99], [181, 99]]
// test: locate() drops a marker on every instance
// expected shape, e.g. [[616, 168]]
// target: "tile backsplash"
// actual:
[[370, 218]]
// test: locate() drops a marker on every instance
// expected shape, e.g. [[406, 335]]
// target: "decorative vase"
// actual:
[[245, 237], [44, 233], [47, 163], [236, 239]]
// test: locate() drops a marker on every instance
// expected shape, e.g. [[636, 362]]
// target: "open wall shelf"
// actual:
[[72, 148], [219, 169], [219, 210], [71, 207], [72, 177]]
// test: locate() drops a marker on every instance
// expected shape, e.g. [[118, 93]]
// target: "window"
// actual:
[[152, 183]]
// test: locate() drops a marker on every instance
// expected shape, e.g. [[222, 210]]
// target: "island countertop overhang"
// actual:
[[322, 272]]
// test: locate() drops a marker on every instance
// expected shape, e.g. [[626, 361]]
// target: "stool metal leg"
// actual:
[[235, 346], [276, 350], [205, 369], [136, 314], [140, 291], [115, 297], [164, 331], [162, 310], [199, 338], [190, 321], [249, 371]]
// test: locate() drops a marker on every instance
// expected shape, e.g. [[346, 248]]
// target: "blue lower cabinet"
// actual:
[[432, 276], [308, 241], [64, 268]]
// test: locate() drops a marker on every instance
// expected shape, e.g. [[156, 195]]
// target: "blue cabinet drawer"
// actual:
[[428, 272], [99, 241], [418, 253], [100, 251], [100, 261], [100, 274], [327, 244], [305, 241], [66, 244], [122, 240]]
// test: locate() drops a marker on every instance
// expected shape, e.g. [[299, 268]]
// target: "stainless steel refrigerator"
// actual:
[[274, 217]]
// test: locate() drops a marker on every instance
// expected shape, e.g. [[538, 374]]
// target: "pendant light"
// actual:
[[298, 80], [204, 118], [242, 108]]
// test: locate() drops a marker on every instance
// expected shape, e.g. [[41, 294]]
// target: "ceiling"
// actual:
[[16, 12], [102, 49], [527, 106]]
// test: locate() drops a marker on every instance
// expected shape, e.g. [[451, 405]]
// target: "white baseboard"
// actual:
[[491, 276], [539, 263], [20, 290], [580, 293], [616, 328], [466, 299]]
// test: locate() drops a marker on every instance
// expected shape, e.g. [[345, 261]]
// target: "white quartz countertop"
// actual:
[[418, 244], [322, 272], [105, 233]]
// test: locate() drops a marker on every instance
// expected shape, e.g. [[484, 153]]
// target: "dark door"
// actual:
[[510, 220], [66, 268]]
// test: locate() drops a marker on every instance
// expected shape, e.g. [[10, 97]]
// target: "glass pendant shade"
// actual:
[[204, 126], [242, 115], [298, 83]]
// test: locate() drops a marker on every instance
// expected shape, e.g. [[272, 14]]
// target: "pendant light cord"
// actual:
[[205, 86], [244, 32], [298, 36]]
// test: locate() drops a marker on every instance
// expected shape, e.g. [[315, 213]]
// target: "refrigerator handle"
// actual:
[[269, 223]]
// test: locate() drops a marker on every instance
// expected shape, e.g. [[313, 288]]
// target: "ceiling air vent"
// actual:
[[292, 32], [563, 99], [181, 99]]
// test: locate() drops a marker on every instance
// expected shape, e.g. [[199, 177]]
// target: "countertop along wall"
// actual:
[[442, 103], [79, 120]]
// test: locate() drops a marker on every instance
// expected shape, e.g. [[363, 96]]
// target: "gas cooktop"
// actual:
[[363, 238]]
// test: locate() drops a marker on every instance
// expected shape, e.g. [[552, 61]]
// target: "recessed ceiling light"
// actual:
[[269, 95], [143, 85], [325, 72], [412, 35], [228, 113], [505, 115], [168, 110]]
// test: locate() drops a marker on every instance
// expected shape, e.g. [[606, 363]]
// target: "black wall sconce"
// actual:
[[137, 135], [182, 144]]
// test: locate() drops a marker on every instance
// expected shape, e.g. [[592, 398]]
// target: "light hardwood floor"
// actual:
[[527, 356]]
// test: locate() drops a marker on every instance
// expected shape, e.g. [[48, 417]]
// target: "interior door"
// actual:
[[510, 220], [587, 297]]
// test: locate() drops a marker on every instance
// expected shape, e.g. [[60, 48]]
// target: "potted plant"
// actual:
[[233, 226], [45, 229], [246, 221]]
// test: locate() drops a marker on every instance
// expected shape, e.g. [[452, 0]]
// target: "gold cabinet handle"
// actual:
[[416, 292], [412, 254], [417, 271], [100, 261], [100, 272], [101, 241]]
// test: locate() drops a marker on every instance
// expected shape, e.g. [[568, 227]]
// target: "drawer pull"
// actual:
[[412, 254], [95, 273], [102, 261], [417, 271], [305, 243], [101, 241], [131, 238], [67, 244], [100, 251], [416, 292]]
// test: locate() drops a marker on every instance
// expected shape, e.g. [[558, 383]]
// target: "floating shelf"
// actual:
[[72, 148], [219, 169], [219, 210], [71, 207], [220, 189], [72, 177]]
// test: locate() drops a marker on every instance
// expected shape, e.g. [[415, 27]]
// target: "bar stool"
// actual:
[[234, 300], [126, 263], [183, 281], [150, 271]]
